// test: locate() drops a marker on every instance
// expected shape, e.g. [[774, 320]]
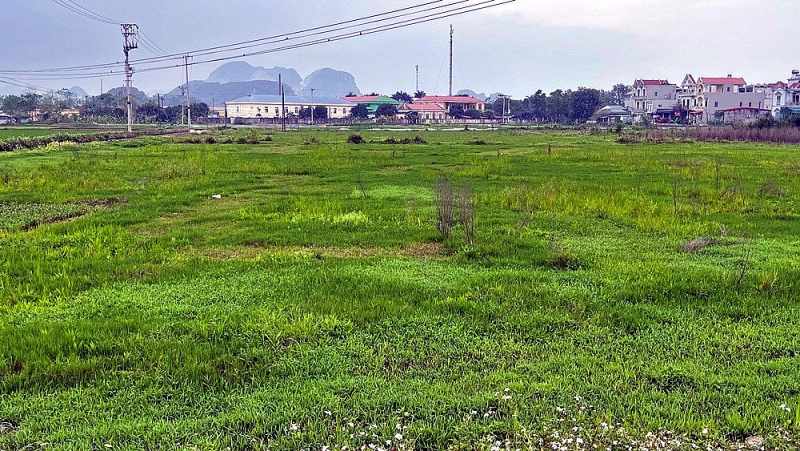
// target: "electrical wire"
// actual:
[[78, 9], [450, 11], [236, 44]]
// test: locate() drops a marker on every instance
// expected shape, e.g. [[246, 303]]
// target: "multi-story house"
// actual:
[[786, 96], [726, 93], [652, 97]]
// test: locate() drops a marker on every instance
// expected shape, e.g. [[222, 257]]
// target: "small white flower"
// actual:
[[328, 413], [294, 427], [578, 398], [705, 431], [579, 441], [506, 397], [506, 389], [398, 436], [351, 424]]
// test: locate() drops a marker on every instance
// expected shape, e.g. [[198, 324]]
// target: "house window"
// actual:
[[237, 108], [740, 104], [729, 89], [335, 110], [750, 104], [277, 110], [656, 95], [777, 100], [716, 104], [296, 109]]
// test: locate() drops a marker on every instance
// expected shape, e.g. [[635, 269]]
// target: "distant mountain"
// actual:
[[240, 71], [78, 92], [472, 93], [218, 93], [329, 83], [137, 95], [493, 97]]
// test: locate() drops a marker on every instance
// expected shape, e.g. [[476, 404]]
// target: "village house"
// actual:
[[727, 93], [372, 102], [652, 98], [269, 106], [786, 96], [5, 119], [448, 102], [427, 113]]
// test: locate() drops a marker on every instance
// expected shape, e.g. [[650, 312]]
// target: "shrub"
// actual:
[[355, 138]]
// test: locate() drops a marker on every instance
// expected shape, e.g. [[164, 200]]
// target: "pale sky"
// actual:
[[515, 48]]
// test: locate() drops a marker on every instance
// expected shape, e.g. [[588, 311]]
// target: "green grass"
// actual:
[[315, 300], [13, 132]]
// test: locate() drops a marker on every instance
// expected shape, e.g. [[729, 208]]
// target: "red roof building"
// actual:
[[447, 102]]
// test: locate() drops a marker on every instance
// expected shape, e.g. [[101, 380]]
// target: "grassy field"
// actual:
[[294, 291]]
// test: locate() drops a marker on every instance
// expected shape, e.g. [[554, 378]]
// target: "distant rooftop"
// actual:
[[272, 98]]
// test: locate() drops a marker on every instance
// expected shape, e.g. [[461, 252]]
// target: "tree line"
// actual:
[[108, 108]]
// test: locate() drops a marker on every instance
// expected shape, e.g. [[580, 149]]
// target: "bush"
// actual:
[[355, 138]]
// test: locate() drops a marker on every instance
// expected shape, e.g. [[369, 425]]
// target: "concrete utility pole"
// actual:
[[312, 106], [451, 60], [131, 41], [188, 105], [417, 67], [283, 104]]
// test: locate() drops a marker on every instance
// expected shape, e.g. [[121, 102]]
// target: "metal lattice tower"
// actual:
[[451, 60], [131, 41]]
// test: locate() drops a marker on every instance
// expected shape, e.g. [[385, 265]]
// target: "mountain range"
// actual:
[[239, 79]]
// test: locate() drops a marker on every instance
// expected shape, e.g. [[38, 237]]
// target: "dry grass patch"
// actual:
[[699, 244]]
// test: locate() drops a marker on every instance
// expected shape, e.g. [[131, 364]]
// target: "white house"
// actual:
[[269, 106], [5, 119]]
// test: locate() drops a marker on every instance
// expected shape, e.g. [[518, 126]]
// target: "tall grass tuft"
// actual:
[[444, 198]]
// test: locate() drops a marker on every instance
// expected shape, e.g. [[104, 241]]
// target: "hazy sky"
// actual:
[[515, 48]]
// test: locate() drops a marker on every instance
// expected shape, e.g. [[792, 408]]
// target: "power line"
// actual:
[[78, 9], [178, 56], [449, 11]]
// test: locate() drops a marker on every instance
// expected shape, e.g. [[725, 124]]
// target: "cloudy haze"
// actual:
[[515, 48]]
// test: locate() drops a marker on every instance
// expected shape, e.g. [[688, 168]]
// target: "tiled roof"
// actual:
[[449, 99], [370, 99], [721, 81], [427, 107], [654, 82], [270, 98]]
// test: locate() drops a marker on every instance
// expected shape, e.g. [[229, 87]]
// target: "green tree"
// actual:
[[360, 111], [320, 112], [456, 111], [472, 113], [584, 102], [558, 106], [12, 105], [419, 94], [199, 109], [386, 109], [620, 90], [401, 96]]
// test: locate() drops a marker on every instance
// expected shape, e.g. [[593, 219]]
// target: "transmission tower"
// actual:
[[131, 41], [451, 60]]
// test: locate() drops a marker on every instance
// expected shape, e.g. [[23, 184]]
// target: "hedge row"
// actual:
[[32, 142]]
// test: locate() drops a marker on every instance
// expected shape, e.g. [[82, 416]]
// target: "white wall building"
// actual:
[[269, 106]]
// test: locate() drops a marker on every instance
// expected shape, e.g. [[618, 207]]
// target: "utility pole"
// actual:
[[451, 60], [188, 105], [312, 106], [283, 104], [417, 90], [131, 41]]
